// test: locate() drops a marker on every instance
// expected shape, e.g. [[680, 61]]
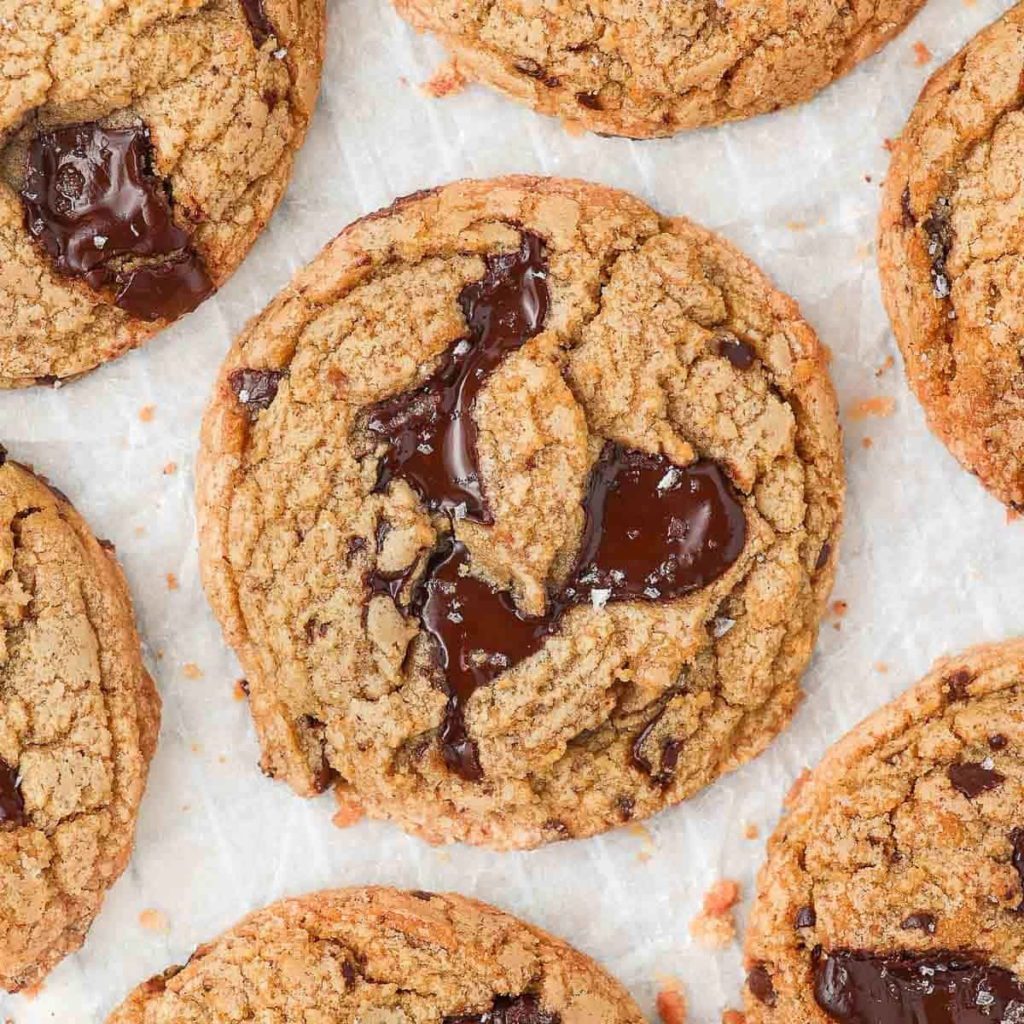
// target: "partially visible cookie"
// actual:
[[381, 955], [78, 723], [647, 68], [143, 147], [520, 506], [951, 254], [894, 886]]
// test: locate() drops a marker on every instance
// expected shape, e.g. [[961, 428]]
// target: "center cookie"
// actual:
[[375, 956], [142, 150], [520, 508]]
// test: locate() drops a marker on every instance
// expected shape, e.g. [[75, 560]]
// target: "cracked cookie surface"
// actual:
[[496, 669], [382, 955], [78, 723], [143, 147], [898, 870], [951, 254], [648, 68]]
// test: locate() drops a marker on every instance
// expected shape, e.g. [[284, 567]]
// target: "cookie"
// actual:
[[78, 724], [894, 885], [382, 955], [645, 69], [951, 251], [143, 147], [520, 507]]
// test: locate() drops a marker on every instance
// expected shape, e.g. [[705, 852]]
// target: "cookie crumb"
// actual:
[[147, 413], [172, 581], [191, 670], [241, 689], [887, 144], [170, 469], [671, 1002], [154, 921], [715, 926], [881, 406], [733, 1017], [887, 364], [447, 80], [751, 831], [867, 442], [349, 811], [921, 54], [881, 667], [643, 833], [794, 790]]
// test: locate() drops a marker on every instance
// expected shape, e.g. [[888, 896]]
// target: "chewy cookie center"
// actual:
[[653, 531]]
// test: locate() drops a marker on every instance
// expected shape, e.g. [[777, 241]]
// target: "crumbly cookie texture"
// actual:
[[627, 706], [382, 955], [78, 723], [647, 68], [951, 244], [220, 93], [907, 841]]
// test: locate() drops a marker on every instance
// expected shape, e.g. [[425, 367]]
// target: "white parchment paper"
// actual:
[[928, 563]]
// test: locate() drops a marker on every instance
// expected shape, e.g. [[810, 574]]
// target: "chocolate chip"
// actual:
[[523, 1009], [355, 546], [997, 741], [259, 23], [93, 202], [626, 805], [937, 987], [348, 972], [421, 894], [12, 805], [908, 214], [939, 232], [759, 981], [1017, 860], [957, 683], [920, 921], [3, 454], [805, 918], [822, 560], [530, 67], [255, 389], [243, 685], [972, 779], [590, 100], [739, 353]]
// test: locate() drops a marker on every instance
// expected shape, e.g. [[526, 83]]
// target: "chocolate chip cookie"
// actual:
[[520, 506], [382, 955], [646, 68], [143, 148], [894, 886], [78, 724], [951, 253]]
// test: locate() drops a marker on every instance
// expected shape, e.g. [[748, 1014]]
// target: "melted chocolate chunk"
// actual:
[[12, 806], [805, 918], [260, 25], [822, 559], [972, 779], [957, 683], [939, 232], [922, 922], [739, 353], [906, 988], [1017, 860], [997, 742], [655, 531], [93, 202], [509, 1010], [430, 432], [759, 981], [255, 389]]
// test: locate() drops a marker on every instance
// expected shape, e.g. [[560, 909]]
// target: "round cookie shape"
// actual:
[[79, 717], [951, 246], [382, 954], [520, 508], [894, 883], [142, 150], [648, 68]]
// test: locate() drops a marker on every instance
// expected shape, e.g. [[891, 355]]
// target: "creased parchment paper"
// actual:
[[928, 562]]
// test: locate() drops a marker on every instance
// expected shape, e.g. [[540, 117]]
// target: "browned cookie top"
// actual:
[[646, 68], [142, 149], [894, 886], [951, 251], [380, 955], [78, 724], [519, 507]]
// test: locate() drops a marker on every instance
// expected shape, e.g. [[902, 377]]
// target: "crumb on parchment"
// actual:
[[172, 581], [715, 926], [671, 1002], [751, 831], [921, 53], [350, 810], [154, 921], [191, 670], [880, 406], [147, 413], [447, 80]]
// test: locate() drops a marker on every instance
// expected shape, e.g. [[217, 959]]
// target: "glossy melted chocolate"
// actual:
[[92, 201], [909, 988], [509, 1010], [260, 25], [653, 531]]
